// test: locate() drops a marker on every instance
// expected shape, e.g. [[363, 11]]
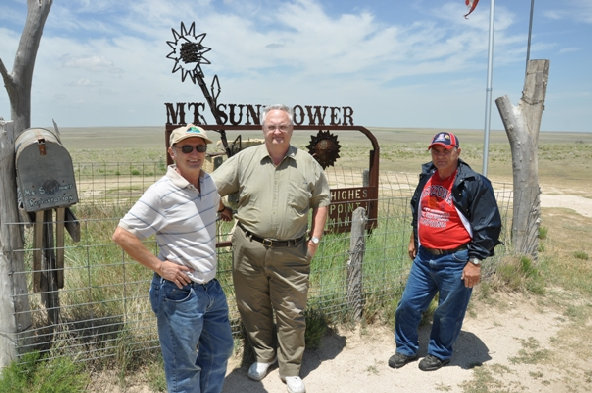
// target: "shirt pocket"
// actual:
[[299, 194]]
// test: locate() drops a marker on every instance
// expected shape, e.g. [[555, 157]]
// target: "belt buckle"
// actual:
[[267, 242], [435, 251]]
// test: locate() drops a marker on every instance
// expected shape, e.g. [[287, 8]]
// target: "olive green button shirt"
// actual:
[[273, 202]]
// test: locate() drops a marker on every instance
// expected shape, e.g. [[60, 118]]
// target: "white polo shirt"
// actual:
[[182, 220]]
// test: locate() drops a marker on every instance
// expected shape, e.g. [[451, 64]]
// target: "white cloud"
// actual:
[[574, 10], [84, 82], [91, 62]]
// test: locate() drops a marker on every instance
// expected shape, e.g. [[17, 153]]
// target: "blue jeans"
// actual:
[[194, 333], [429, 275]]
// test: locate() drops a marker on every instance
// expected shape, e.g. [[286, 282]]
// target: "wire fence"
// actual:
[[103, 312]]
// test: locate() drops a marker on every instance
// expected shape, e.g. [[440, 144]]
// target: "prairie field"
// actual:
[[565, 159]]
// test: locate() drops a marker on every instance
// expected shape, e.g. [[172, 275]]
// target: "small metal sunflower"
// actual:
[[188, 52], [324, 147]]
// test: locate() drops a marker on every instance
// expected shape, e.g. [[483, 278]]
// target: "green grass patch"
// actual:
[[317, 327], [33, 374], [581, 255], [516, 274], [489, 379], [530, 353]]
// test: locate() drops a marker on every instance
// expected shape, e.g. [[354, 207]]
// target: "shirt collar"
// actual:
[[179, 180], [263, 153]]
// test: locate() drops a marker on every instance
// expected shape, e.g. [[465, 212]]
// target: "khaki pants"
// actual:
[[268, 280]]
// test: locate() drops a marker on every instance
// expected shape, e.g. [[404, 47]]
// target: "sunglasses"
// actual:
[[188, 148]]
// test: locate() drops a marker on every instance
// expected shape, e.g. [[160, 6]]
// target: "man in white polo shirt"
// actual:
[[180, 210]]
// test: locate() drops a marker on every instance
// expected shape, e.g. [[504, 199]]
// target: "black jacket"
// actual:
[[473, 195]]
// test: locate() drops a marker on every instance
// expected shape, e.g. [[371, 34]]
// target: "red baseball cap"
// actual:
[[446, 139]]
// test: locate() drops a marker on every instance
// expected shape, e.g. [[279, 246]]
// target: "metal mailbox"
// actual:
[[45, 180], [45, 175]]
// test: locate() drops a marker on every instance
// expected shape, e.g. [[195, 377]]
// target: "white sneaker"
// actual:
[[295, 385], [258, 370]]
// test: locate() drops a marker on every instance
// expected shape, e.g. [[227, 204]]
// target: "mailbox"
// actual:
[[45, 175], [45, 180]]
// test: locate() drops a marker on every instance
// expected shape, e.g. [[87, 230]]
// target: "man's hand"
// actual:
[[175, 273], [312, 248], [471, 274], [411, 248], [225, 214]]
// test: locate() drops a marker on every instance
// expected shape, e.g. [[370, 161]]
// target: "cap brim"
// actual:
[[441, 144], [192, 136]]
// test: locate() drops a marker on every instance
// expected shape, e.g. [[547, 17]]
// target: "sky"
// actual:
[[402, 64]]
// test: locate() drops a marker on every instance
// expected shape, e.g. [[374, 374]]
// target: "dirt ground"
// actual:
[[492, 343], [578, 203], [517, 343]]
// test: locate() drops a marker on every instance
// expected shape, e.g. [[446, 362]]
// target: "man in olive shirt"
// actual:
[[277, 184]]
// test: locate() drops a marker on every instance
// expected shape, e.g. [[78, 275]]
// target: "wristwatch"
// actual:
[[475, 261], [315, 240]]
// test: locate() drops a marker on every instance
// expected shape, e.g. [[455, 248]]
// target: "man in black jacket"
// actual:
[[456, 224]]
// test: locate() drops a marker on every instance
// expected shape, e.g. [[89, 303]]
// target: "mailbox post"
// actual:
[[45, 180]]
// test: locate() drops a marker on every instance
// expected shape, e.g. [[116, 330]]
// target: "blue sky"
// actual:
[[413, 63]]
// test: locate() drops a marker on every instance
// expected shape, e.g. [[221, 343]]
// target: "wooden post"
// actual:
[[14, 302], [366, 178], [522, 124], [357, 247]]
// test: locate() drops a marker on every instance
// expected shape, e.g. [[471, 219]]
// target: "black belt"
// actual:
[[271, 242], [442, 251]]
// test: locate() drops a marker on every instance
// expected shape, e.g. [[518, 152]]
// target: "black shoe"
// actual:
[[431, 363], [399, 360]]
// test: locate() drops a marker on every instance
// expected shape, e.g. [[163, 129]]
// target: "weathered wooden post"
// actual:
[[522, 124], [357, 247], [14, 303]]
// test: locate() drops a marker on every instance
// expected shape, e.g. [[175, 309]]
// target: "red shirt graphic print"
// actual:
[[439, 223]]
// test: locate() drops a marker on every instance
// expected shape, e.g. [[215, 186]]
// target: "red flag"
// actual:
[[471, 4]]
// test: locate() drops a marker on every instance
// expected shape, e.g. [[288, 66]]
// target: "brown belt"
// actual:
[[271, 242], [442, 251]]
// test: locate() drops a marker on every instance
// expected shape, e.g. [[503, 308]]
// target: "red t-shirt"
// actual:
[[440, 225]]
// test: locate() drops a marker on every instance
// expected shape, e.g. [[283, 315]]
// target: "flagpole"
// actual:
[[488, 91], [529, 33]]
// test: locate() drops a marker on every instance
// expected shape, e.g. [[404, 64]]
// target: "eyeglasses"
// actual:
[[281, 127], [188, 148]]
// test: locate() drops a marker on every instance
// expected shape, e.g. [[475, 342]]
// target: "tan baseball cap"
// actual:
[[188, 131]]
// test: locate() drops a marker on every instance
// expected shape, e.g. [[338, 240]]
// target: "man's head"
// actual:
[[187, 147], [445, 150], [277, 124]]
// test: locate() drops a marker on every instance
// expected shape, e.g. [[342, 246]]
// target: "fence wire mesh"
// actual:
[[103, 312]]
